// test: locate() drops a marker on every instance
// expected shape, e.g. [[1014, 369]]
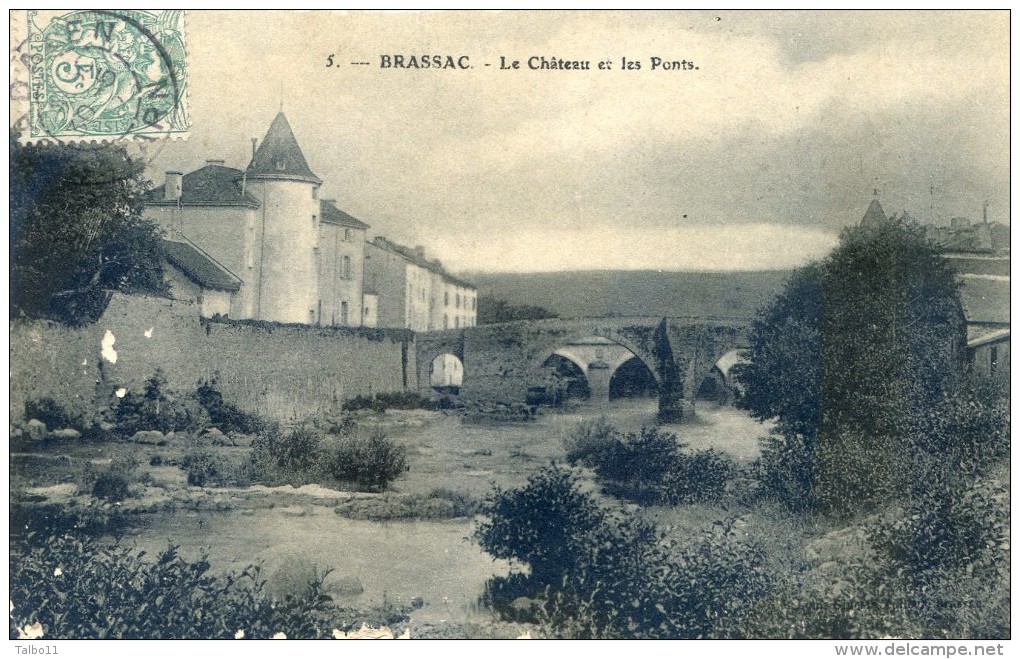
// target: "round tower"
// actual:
[[286, 229]]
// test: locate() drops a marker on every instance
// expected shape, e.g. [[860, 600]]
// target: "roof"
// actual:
[[330, 213], [199, 267], [990, 337], [212, 185], [874, 216], [279, 155], [418, 259], [985, 298]]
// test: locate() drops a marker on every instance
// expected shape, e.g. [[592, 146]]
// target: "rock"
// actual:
[[148, 437], [240, 439], [65, 435], [36, 429], [417, 602], [523, 604], [346, 586], [106, 426]]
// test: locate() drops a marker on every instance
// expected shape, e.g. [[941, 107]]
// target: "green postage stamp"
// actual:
[[99, 75]]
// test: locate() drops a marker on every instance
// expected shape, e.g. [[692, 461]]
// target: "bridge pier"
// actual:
[[674, 408]]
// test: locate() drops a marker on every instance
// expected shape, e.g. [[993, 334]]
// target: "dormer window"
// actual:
[[280, 165]]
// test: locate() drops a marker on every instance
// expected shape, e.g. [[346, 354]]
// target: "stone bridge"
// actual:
[[501, 362]]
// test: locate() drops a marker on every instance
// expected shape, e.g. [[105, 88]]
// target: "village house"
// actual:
[[260, 244], [415, 292]]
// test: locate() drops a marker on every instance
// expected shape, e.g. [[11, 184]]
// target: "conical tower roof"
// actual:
[[875, 216], [279, 155]]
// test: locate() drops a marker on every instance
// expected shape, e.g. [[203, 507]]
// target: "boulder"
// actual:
[[65, 435], [216, 437], [36, 429], [345, 586], [148, 437]]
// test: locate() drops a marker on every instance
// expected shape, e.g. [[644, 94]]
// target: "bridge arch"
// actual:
[[446, 373], [596, 359]]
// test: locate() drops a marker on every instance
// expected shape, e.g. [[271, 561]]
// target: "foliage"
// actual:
[[305, 455], [592, 443], [650, 467], [208, 469], [856, 351], [112, 483], [78, 588], [493, 310], [225, 415], [546, 524], [370, 463], [156, 408], [76, 225], [51, 413], [936, 568], [397, 400], [596, 574]]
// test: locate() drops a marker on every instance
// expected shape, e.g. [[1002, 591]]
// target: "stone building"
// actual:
[[297, 258], [259, 243], [415, 292]]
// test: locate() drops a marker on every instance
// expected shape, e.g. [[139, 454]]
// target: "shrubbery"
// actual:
[[156, 408], [306, 455], [207, 469], [227, 416], [112, 483], [398, 400], [68, 587], [596, 574], [650, 467]]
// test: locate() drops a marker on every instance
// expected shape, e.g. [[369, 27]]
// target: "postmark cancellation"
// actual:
[[87, 75]]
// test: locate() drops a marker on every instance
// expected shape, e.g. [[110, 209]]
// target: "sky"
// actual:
[[754, 160]]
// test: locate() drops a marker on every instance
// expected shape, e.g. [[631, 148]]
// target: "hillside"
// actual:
[[637, 292]]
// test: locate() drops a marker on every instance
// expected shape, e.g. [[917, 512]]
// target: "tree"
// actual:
[[846, 360], [494, 310], [76, 226]]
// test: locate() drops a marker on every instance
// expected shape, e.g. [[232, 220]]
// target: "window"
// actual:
[[346, 268], [458, 300], [343, 312], [315, 192], [446, 321], [348, 235], [446, 298]]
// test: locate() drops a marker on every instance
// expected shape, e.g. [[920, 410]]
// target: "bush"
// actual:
[[650, 467], [51, 413], [207, 469], [77, 588], [596, 574], [546, 524], [111, 484], [785, 469], [398, 400], [227, 416], [306, 456], [157, 409], [592, 443], [369, 463]]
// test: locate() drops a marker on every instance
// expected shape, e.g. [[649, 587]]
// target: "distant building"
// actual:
[[415, 292]]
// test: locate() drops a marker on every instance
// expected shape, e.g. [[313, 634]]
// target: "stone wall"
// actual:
[[282, 371]]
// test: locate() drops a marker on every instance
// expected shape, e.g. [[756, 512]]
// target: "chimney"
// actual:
[[174, 186], [419, 251], [254, 143], [215, 162]]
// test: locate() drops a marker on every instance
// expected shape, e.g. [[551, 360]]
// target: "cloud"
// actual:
[[791, 119]]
